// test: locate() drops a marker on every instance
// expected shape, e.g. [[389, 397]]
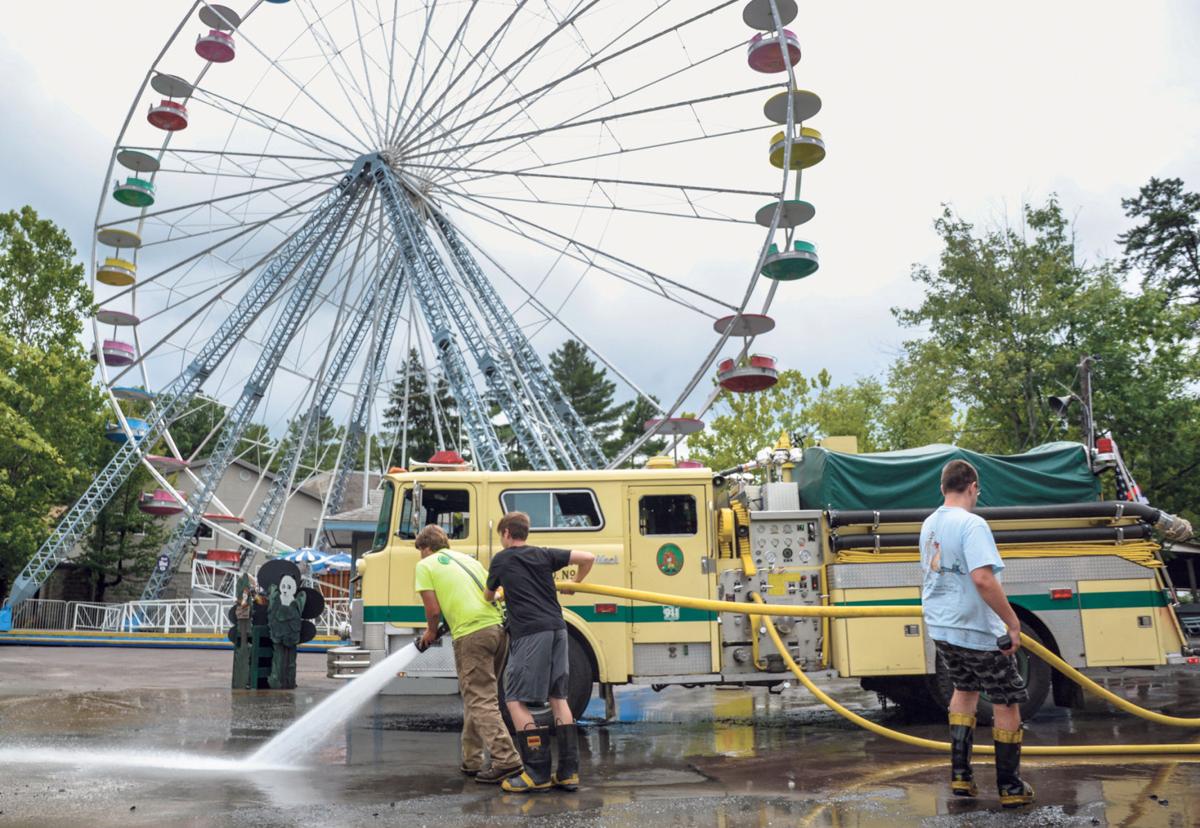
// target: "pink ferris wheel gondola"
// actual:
[[160, 503], [216, 46], [171, 116], [764, 54], [117, 353]]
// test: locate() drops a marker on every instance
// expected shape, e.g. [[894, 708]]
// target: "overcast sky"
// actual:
[[983, 106]]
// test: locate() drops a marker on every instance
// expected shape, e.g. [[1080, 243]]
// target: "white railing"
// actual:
[[337, 612], [97, 617], [43, 614], [181, 616], [211, 578]]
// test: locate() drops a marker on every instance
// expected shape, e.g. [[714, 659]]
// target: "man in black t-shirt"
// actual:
[[537, 657]]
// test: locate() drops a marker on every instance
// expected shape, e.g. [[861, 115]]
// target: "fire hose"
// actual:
[[766, 611]]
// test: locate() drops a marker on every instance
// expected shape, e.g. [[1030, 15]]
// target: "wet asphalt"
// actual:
[[110, 737]]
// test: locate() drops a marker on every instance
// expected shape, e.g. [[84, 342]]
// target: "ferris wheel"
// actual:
[[304, 194]]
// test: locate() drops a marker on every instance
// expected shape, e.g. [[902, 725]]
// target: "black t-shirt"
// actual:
[[527, 575]]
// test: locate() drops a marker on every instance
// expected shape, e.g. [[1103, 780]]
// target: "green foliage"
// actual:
[[124, 542], [51, 438], [587, 387], [42, 293], [1165, 243], [745, 423], [191, 430], [423, 434], [632, 425], [320, 444]]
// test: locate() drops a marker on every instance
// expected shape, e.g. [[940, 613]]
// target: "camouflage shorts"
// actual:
[[984, 671]]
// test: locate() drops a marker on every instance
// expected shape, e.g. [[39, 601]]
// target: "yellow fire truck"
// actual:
[[1085, 577]]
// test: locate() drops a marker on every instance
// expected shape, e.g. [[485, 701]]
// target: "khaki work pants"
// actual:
[[480, 657]]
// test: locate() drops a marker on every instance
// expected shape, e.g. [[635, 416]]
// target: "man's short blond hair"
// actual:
[[432, 538]]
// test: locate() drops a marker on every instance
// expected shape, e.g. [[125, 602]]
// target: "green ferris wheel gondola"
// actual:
[[790, 265]]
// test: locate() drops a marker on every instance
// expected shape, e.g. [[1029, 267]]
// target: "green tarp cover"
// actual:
[[1049, 474]]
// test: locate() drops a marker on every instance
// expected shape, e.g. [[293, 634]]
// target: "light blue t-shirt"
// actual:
[[953, 543]]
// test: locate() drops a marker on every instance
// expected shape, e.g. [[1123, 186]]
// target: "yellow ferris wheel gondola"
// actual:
[[808, 149]]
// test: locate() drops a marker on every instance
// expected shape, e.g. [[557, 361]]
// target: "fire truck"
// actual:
[[819, 527]]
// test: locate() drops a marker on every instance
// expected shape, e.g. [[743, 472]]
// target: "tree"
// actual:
[[321, 442], [51, 439], [851, 410], [1009, 316], [1165, 244], [587, 387], [192, 430], [124, 542], [42, 291], [632, 425], [422, 433], [746, 423], [1003, 311]]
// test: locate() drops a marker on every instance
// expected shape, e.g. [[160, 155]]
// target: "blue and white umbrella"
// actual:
[[339, 563], [304, 555]]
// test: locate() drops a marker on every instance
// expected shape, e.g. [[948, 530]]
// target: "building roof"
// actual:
[[318, 486]]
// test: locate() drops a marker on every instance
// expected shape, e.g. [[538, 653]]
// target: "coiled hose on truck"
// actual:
[[766, 610]]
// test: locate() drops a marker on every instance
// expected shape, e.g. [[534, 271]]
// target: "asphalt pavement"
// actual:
[[116, 737]]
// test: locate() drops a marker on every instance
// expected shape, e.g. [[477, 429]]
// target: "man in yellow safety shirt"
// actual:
[[451, 587]]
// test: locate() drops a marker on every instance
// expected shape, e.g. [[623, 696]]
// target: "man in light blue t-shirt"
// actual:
[[967, 615]]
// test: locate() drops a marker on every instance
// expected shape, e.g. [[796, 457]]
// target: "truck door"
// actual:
[[668, 542], [452, 507]]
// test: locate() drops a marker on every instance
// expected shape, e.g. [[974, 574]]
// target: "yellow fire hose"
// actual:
[[765, 611]]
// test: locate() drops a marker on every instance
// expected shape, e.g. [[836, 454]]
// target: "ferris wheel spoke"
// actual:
[[608, 119], [616, 98], [213, 300], [483, 174], [582, 68], [658, 280], [248, 230], [338, 54], [532, 50], [398, 135], [427, 81], [482, 80], [253, 191], [613, 206], [271, 123], [510, 79], [301, 87], [532, 298]]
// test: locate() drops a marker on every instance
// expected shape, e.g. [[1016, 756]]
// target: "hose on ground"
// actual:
[[766, 611]]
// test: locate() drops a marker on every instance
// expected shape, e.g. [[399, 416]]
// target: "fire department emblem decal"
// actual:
[[670, 559]]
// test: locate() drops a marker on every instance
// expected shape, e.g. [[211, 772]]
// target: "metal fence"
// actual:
[[40, 614], [181, 616]]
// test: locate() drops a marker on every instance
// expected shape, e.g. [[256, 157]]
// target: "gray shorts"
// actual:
[[537, 667]]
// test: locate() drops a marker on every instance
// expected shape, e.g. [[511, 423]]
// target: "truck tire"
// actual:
[[580, 684], [1035, 672], [582, 680]]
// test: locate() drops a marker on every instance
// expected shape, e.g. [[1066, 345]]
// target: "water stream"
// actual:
[[286, 751], [293, 744]]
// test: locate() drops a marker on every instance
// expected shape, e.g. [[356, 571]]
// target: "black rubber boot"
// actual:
[[534, 744], [962, 739], [566, 776], [1014, 791]]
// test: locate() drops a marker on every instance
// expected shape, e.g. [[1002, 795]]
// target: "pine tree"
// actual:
[[633, 424], [588, 388], [423, 439]]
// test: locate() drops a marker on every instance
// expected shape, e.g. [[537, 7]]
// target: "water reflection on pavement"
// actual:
[[685, 757]]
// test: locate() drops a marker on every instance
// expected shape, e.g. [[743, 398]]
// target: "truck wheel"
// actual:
[[580, 683], [1035, 672]]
